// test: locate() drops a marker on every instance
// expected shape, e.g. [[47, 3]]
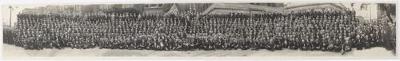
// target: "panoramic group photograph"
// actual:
[[200, 30]]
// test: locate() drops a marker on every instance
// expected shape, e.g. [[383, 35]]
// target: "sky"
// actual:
[[5, 12]]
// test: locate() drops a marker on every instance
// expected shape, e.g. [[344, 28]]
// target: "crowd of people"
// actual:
[[306, 30]]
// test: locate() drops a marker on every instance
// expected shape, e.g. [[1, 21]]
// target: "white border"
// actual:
[[67, 2], [6, 2]]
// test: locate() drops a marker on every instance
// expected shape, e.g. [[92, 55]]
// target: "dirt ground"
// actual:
[[13, 52]]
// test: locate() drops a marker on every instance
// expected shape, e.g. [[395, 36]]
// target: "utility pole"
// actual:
[[11, 9]]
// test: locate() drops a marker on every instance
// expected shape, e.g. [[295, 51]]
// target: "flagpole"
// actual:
[[10, 14]]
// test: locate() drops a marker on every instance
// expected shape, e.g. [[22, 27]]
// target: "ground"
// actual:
[[10, 51]]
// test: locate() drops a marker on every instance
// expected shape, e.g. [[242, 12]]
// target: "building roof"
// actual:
[[307, 6], [241, 8]]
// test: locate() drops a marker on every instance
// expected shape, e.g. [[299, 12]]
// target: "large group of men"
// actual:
[[306, 30]]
